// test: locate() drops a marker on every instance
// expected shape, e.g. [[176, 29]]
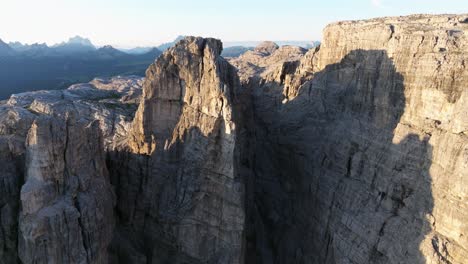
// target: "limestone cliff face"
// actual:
[[191, 77], [361, 147], [186, 195], [14, 125], [66, 200], [56, 201], [430, 53]]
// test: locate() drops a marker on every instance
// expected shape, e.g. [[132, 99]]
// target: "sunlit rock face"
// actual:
[[361, 146]]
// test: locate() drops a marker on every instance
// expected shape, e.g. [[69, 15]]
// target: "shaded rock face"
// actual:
[[331, 161], [352, 160], [66, 199], [180, 187], [56, 197], [14, 125]]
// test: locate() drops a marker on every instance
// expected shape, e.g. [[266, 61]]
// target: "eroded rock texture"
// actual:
[[361, 147], [180, 187], [14, 125], [66, 200], [56, 202]]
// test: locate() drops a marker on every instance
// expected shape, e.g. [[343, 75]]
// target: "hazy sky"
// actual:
[[127, 23]]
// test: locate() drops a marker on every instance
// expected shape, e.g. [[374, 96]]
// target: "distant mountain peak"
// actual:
[[107, 47], [80, 40], [109, 52], [5, 49], [74, 45]]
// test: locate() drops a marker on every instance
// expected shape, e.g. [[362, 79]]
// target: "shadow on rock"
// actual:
[[337, 178]]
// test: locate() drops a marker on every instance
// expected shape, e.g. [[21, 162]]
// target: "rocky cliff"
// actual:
[[181, 189], [56, 203], [352, 152], [361, 147]]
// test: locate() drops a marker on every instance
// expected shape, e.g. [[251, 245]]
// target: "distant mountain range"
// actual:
[[162, 47], [83, 46], [26, 67], [231, 48], [73, 47], [137, 50]]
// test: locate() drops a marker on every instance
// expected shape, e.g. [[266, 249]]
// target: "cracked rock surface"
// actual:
[[56, 202], [180, 186], [361, 146]]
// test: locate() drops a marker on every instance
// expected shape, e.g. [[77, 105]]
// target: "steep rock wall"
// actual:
[[180, 187], [14, 125], [66, 201], [361, 147], [56, 201]]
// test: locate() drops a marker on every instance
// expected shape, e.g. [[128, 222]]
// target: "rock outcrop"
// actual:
[[56, 202], [266, 47], [185, 197], [127, 87], [264, 61], [112, 101]]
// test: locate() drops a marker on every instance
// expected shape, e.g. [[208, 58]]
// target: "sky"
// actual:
[[131, 23]]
